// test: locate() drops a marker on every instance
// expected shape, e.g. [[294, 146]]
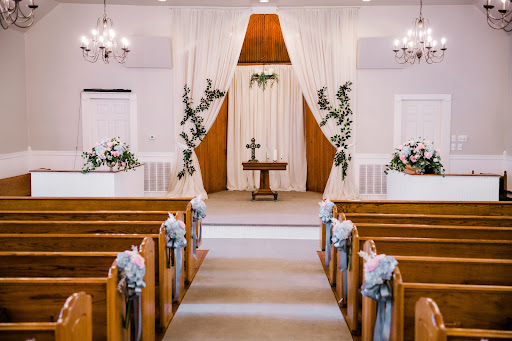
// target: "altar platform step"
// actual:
[[262, 231]]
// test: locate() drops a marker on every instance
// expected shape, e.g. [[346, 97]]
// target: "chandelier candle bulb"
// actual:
[[275, 155]]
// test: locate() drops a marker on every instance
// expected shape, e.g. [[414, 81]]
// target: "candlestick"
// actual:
[[275, 154]]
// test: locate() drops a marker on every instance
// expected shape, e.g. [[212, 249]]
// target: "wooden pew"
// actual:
[[465, 271], [431, 212], [94, 204], [467, 306], [429, 326], [423, 231], [427, 247], [40, 299], [80, 243], [46, 256], [407, 218], [74, 323], [477, 208], [139, 216]]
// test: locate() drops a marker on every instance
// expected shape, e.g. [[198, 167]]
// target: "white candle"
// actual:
[[275, 154]]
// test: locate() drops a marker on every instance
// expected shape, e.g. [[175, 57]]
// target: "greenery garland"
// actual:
[[198, 130], [262, 78], [341, 115]]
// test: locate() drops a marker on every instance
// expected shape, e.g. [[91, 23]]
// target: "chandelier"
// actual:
[[261, 76], [103, 42], [419, 44], [501, 20], [12, 14]]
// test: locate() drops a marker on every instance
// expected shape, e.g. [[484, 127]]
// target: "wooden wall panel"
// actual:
[[319, 153], [15, 186], [212, 153], [264, 38]]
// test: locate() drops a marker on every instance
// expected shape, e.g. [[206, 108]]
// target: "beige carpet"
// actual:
[[259, 289], [291, 208]]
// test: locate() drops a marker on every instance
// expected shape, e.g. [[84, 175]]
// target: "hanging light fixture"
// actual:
[[502, 20], [103, 42], [262, 76], [12, 14], [419, 44]]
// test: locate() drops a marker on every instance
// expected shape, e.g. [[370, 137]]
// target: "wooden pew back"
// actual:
[[93, 204], [407, 218], [74, 323], [429, 326], [479, 208]]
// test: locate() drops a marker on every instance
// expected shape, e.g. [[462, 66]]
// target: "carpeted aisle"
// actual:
[[259, 289]]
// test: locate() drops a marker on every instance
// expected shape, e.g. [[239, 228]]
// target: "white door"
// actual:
[[111, 118], [421, 119], [109, 114]]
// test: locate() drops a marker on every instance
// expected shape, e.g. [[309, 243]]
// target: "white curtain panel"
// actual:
[[322, 46], [206, 43], [275, 118]]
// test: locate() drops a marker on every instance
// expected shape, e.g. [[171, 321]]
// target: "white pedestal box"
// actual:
[[451, 187], [54, 183]]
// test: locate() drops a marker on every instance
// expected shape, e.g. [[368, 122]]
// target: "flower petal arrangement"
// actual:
[[131, 270], [326, 208], [110, 152], [377, 270], [175, 232], [341, 230], [419, 154], [198, 207]]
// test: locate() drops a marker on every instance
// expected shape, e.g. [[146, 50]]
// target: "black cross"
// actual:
[[253, 147]]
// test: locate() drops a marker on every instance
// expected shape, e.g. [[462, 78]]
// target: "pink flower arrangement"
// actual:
[[372, 263], [182, 224], [413, 158], [428, 155], [419, 154]]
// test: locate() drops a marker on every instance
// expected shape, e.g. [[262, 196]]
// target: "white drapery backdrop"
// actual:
[[275, 118], [322, 46], [206, 43]]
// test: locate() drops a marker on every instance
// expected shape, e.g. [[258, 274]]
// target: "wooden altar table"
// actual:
[[264, 167]]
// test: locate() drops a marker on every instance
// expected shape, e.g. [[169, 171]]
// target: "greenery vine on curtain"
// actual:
[[342, 117], [198, 130]]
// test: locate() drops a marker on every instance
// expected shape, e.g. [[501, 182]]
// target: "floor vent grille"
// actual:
[[156, 176], [372, 180]]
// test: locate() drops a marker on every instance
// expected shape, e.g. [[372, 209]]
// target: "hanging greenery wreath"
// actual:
[[341, 115], [262, 78], [198, 131]]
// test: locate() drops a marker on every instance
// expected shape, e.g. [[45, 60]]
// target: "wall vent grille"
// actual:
[[156, 176], [372, 180]]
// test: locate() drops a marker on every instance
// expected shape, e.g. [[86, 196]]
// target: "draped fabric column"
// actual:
[[275, 118], [206, 43], [322, 45]]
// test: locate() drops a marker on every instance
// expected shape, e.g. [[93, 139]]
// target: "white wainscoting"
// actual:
[[368, 168], [13, 164]]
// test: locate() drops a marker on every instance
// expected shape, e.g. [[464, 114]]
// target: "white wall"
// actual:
[[13, 114], [472, 71], [57, 74]]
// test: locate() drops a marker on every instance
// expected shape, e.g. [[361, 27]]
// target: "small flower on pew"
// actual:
[[199, 208], [326, 208], [131, 270], [341, 231], [377, 270], [175, 232]]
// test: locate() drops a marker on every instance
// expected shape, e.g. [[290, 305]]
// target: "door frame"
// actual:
[[87, 124], [446, 118]]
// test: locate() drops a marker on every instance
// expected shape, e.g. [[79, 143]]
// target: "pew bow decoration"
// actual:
[[131, 279], [198, 213], [378, 270], [326, 212], [342, 239], [175, 233]]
